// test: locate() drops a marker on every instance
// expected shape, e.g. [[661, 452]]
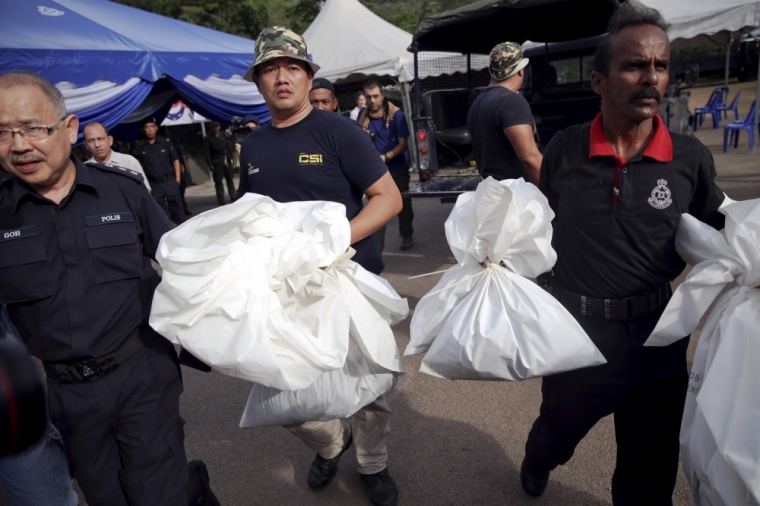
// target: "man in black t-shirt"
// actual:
[[618, 187], [309, 154], [501, 122]]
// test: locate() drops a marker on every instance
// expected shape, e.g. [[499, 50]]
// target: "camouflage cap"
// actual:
[[277, 42], [506, 60]]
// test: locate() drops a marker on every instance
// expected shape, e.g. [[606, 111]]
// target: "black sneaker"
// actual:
[[406, 242], [380, 488], [198, 488], [323, 470], [533, 480]]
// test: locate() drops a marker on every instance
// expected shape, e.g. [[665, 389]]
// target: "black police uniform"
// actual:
[[614, 234], [216, 150], [156, 160], [78, 284]]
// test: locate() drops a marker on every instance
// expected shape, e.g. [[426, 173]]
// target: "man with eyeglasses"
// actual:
[[76, 242]]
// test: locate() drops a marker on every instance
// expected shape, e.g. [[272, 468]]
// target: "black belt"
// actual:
[[161, 179], [615, 309], [86, 369]]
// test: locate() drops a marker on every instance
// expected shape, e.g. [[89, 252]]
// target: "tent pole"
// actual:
[[469, 84], [417, 108], [757, 93], [728, 60], [203, 128]]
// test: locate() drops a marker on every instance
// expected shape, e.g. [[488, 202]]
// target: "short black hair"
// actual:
[[94, 124], [626, 15], [372, 84]]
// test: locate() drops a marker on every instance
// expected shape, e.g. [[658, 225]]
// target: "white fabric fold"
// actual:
[[80, 99], [259, 291], [720, 441], [484, 319]]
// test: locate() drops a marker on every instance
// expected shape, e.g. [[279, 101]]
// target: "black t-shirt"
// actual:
[[607, 250], [325, 156], [495, 109]]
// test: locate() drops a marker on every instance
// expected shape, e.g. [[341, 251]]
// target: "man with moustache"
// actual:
[[308, 154], [322, 95], [99, 142], [76, 243], [618, 187], [387, 125]]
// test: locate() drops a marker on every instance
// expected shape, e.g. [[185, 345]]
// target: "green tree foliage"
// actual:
[[247, 17], [239, 17]]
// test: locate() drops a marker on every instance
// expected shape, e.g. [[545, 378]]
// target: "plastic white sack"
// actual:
[[243, 290], [720, 436], [375, 306], [484, 320]]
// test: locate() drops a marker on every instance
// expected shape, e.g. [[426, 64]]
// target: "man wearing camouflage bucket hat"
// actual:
[[308, 154], [501, 122]]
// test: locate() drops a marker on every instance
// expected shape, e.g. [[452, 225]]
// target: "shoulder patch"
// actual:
[[116, 169]]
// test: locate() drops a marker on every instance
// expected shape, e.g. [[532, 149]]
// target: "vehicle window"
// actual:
[[587, 66], [567, 70]]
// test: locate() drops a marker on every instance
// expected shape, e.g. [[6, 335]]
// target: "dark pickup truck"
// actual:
[[557, 79]]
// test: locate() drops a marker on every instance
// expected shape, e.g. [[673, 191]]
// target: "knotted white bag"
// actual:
[[484, 319], [720, 431], [244, 290], [371, 368]]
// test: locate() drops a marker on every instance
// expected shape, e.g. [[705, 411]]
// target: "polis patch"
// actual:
[[19, 233], [107, 219]]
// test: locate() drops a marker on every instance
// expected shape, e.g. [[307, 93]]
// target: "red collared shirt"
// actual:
[[660, 148]]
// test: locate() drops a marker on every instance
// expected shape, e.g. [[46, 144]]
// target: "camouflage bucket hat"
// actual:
[[506, 60], [277, 42]]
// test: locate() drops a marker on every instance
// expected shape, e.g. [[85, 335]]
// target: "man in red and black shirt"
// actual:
[[619, 187]]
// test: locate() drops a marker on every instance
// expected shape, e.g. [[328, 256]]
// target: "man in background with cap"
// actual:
[[217, 152], [323, 156], [322, 95], [160, 162], [501, 122]]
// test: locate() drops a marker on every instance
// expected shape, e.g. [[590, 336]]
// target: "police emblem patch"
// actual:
[[660, 198], [49, 11], [251, 169]]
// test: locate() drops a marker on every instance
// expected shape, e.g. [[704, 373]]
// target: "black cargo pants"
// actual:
[[123, 432], [645, 389], [222, 173], [169, 197]]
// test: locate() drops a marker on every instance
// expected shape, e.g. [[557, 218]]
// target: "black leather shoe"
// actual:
[[406, 242], [198, 488], [533, 480], [323, 470], [380, 488]]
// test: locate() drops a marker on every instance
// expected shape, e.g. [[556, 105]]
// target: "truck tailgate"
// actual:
[[444, 186]]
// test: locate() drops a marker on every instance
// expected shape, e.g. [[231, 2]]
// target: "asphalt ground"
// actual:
[[451, 443]]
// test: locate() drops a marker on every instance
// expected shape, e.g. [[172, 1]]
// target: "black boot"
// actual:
[[532, 478], [323, 470], [380, 488], [198, 489]]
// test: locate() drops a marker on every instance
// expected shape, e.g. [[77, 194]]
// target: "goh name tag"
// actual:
[[18, 233], [107, 219]]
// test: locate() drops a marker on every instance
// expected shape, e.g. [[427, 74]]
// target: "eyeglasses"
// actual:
[[29, 133]]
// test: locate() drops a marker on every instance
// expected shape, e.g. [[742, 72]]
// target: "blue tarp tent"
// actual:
[[108, 58]]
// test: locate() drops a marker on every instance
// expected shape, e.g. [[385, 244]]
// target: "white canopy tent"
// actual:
[[350, 42]]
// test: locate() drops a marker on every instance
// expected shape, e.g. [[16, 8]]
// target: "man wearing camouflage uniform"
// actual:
[[501, 122], [306, 154]]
